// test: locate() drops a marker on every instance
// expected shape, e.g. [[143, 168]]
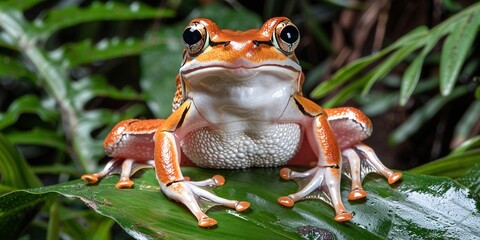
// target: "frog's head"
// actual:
[[219, 60]]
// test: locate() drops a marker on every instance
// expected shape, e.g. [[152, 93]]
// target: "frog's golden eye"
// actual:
[[195, 38], [286, 37]]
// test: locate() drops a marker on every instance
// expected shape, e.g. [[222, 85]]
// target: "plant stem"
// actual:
[[55, 77], [54, 221]]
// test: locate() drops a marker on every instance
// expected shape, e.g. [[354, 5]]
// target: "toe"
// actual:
[[219, 180], [394, 177], [207, 222], [285, 173], [342, 217], [286, 201], [242, 206], [90, 178], [124, 183], [357, 194]]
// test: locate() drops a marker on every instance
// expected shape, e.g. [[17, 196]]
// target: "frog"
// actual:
[[239, 104]]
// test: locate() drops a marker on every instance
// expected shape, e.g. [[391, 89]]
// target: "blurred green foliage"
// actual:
[[70, 70]]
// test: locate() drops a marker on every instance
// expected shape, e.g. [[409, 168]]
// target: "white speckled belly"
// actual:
[[213, 148]]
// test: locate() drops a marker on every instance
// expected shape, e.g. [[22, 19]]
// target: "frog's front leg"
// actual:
[[172, 182], [333, 133], [324, 177]]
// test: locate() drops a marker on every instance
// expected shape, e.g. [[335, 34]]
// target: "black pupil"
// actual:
[[191, 36], [289, 34]]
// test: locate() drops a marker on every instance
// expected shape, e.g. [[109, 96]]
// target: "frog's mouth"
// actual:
[[240, 70]]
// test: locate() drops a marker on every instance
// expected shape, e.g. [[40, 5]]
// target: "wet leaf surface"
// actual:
[[418, 207]]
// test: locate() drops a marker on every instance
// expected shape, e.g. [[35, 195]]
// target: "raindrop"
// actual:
[[38, 22], [134, 7], [102, 45], [110, 5]]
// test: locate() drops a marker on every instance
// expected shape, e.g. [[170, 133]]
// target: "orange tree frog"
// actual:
[[239, 104]]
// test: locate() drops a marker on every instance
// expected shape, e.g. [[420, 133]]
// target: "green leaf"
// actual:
[[466, 124], [421, 206], [57, 19], [19, 4], [15, 171], [347, 92], [17, 209], [354, 68], [412, 74], [392, 61], [469, 144], [416, 120], [410, 79], [38, 136], [26, 104], [454, 165], [455, 50], [90, 87], [11, 67], [85, 52]]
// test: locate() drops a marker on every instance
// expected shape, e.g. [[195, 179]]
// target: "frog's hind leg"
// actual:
[[130, 167], [361, 160], [351, 127], [369, 163], [130, 144], [92, 178], [125, 167]]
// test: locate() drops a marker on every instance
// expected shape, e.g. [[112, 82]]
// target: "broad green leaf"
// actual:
[[56, 19], [354, 68], [422, 206], [455, 50], [86, 52], [416, 120], [454, 165], [160, 64], [15, 174], [17, 210], [26, 104]]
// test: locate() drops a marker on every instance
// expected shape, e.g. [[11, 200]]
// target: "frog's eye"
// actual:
[[195, 38], [286, 37]]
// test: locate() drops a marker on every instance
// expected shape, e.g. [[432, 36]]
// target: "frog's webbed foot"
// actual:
[[125, 167], [197, 197], [360, 160], [321, 181]]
